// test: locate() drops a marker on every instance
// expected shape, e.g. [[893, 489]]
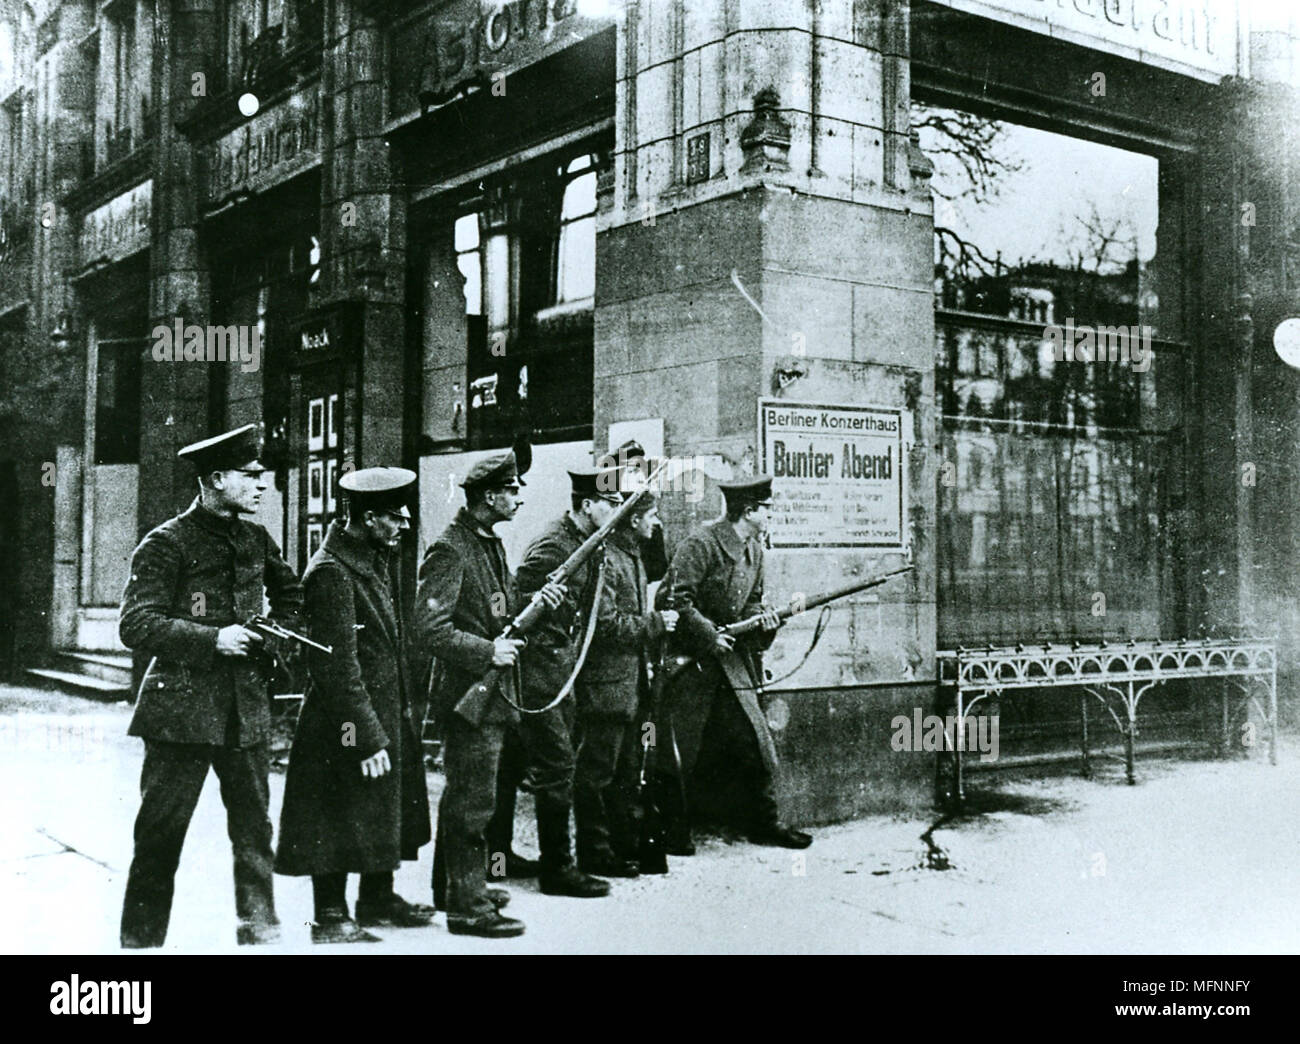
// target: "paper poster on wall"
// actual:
[[838, 474]]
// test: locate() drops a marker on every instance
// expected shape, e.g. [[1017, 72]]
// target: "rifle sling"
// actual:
[[582, 653], [823, 617]]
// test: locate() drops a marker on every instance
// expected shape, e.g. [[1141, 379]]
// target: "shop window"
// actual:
[[1060, 363], [12, 115], [123, 52], [525, 248], [8, 55], [261, 272], [13, 329]]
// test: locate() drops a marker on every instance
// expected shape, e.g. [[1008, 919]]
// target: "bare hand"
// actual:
[[771, 620], [505, 651], [376, 765], [237, 640], [670, 619], [552, 594], [725, 642]]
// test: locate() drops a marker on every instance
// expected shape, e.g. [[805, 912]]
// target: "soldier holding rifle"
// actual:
[[611, 688], [548, 666], [203, 701], [465, 598], [717, 579]]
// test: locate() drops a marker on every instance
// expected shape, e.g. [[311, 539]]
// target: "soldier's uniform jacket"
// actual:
[[615, 671], [191, 576], [552, 650], [466, 596], [358, 703], [715, 579]]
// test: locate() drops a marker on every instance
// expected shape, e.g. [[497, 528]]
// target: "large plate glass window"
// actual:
[[1060, 379]]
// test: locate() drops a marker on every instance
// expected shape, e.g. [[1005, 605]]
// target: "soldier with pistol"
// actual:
[[203, 701]]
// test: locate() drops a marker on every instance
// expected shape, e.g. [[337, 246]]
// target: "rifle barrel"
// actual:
[[752, 623], [533, 611]]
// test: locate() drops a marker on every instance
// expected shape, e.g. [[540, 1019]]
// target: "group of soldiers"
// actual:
[[570, 713]]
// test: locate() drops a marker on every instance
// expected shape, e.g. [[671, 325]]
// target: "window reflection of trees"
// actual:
[[1066, 470]]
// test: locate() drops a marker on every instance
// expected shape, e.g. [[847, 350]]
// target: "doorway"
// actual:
[[110, 483]]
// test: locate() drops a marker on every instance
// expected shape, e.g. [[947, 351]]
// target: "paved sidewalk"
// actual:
[[1200, 857]]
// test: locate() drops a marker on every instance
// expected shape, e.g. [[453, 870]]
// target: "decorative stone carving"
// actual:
[[766, 141]]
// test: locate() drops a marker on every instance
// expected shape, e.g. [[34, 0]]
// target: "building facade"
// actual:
[[813, 237]]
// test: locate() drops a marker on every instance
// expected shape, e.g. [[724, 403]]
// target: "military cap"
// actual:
[[623, 456], [649, 499], [631, 450], [599, 483], [632, 464], [378, 489], [494, 472], [239, 448], [752, 489]]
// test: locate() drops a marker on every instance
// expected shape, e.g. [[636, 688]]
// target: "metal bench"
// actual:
[[1124, 670]]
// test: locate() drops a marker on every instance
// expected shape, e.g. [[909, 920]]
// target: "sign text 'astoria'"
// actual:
[[465, 42], [838, 474], [119, 228]]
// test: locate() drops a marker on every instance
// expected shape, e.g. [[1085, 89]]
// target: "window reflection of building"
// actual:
[[1068, 471], [525, 249]]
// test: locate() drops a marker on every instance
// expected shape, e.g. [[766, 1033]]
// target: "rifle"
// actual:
[[650, 840], [796, 606], [472, 704], [799, 604]]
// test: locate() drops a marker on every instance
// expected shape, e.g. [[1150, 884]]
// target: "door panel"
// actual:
[[114, 535]]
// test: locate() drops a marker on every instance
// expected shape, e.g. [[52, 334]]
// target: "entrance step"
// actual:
[[112, 667], [82, 684]]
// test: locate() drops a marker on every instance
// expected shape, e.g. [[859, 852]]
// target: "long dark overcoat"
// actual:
[[716, 579], [334, 819]]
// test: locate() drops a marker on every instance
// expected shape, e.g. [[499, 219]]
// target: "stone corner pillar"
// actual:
[[766, 233]]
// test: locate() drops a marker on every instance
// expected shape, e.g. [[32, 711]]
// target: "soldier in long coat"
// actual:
[[716, 578], [355, 799], [203, 702]]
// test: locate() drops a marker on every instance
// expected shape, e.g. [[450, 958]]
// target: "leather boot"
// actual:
[[553, 836], [558, 875]]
